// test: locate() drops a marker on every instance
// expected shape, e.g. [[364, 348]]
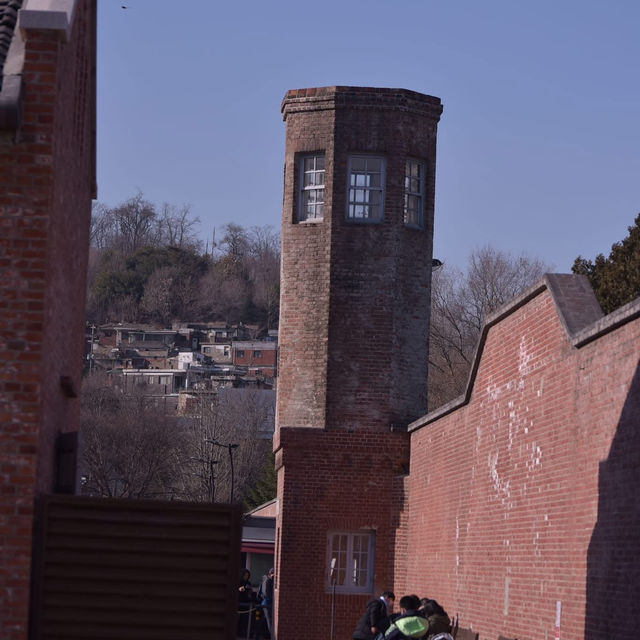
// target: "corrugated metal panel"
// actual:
[[134, 570]]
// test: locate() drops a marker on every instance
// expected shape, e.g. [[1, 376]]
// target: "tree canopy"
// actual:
[[616, 279]]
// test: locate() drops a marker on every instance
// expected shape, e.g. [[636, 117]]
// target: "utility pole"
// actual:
[[229, 448]]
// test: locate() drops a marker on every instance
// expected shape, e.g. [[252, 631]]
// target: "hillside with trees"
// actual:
[[147, 264]]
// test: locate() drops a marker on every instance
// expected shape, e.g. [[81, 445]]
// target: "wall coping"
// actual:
[[578, 311], [56, 15]]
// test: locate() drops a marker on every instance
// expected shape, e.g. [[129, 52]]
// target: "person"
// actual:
[[245, 599], [409, 624], [375, 619], [265, 600], [439, 621]]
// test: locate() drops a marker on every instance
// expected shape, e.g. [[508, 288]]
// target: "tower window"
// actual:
[[366, 189], [350, 560], [414, 194], [311, 203]]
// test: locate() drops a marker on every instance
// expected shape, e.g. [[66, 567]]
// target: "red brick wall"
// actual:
[[267, 359], [47, 181], [527, 495], [332, 480]]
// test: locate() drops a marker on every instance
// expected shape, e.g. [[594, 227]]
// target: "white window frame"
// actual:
[[415, 217], [360, 191], [346, 551], [311, 211]]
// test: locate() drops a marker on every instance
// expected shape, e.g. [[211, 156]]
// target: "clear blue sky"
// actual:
[[538, 145]]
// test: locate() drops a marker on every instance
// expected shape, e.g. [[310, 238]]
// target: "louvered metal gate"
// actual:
[[134, 570]]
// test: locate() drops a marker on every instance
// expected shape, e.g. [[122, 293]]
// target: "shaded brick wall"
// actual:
[[47, 181], [528, 494], [333, 480]]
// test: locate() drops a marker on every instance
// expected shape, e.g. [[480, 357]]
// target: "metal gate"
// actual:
[[134, 570]]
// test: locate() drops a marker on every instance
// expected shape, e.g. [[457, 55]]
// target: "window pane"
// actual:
[[414, 190], [312, 187], [374, 180], [374, 164], [366, 194], [351, 555]]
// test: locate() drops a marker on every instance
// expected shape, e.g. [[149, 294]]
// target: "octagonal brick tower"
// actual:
[[357, 237]]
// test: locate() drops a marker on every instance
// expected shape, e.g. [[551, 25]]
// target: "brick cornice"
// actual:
[[334, 98]]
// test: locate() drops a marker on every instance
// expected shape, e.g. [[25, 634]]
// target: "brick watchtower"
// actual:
[[357, 236]]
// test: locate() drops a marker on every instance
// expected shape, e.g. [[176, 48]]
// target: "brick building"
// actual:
[[516, 505], [47, 181], [258, 356], [357, 235]]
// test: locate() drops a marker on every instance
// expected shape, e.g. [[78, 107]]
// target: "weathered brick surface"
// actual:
[[355, 297], [528, 494], [354, 320], [46, 185]]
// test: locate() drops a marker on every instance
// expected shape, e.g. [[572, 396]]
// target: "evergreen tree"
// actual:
[[616, 279], [266, 487]]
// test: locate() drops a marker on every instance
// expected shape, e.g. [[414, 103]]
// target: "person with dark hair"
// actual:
[[245, 598], [439, 621], [409, 624], [375, 619]]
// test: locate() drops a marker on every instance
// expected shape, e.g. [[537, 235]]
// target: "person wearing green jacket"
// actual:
[[409, 624]]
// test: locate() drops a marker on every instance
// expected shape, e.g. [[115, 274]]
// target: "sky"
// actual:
[[538, 144]]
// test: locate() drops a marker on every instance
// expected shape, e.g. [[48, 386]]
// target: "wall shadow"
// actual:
[[613, 557]]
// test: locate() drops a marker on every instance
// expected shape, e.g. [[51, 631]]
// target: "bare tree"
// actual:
[[130, 449], [135, 222], [223, 296], [233, 428], [176, 227], [235, 242], [102, 227], [263, 267], [460, 302], [158, 298]]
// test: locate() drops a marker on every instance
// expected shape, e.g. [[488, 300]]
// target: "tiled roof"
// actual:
[[8, 17]]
